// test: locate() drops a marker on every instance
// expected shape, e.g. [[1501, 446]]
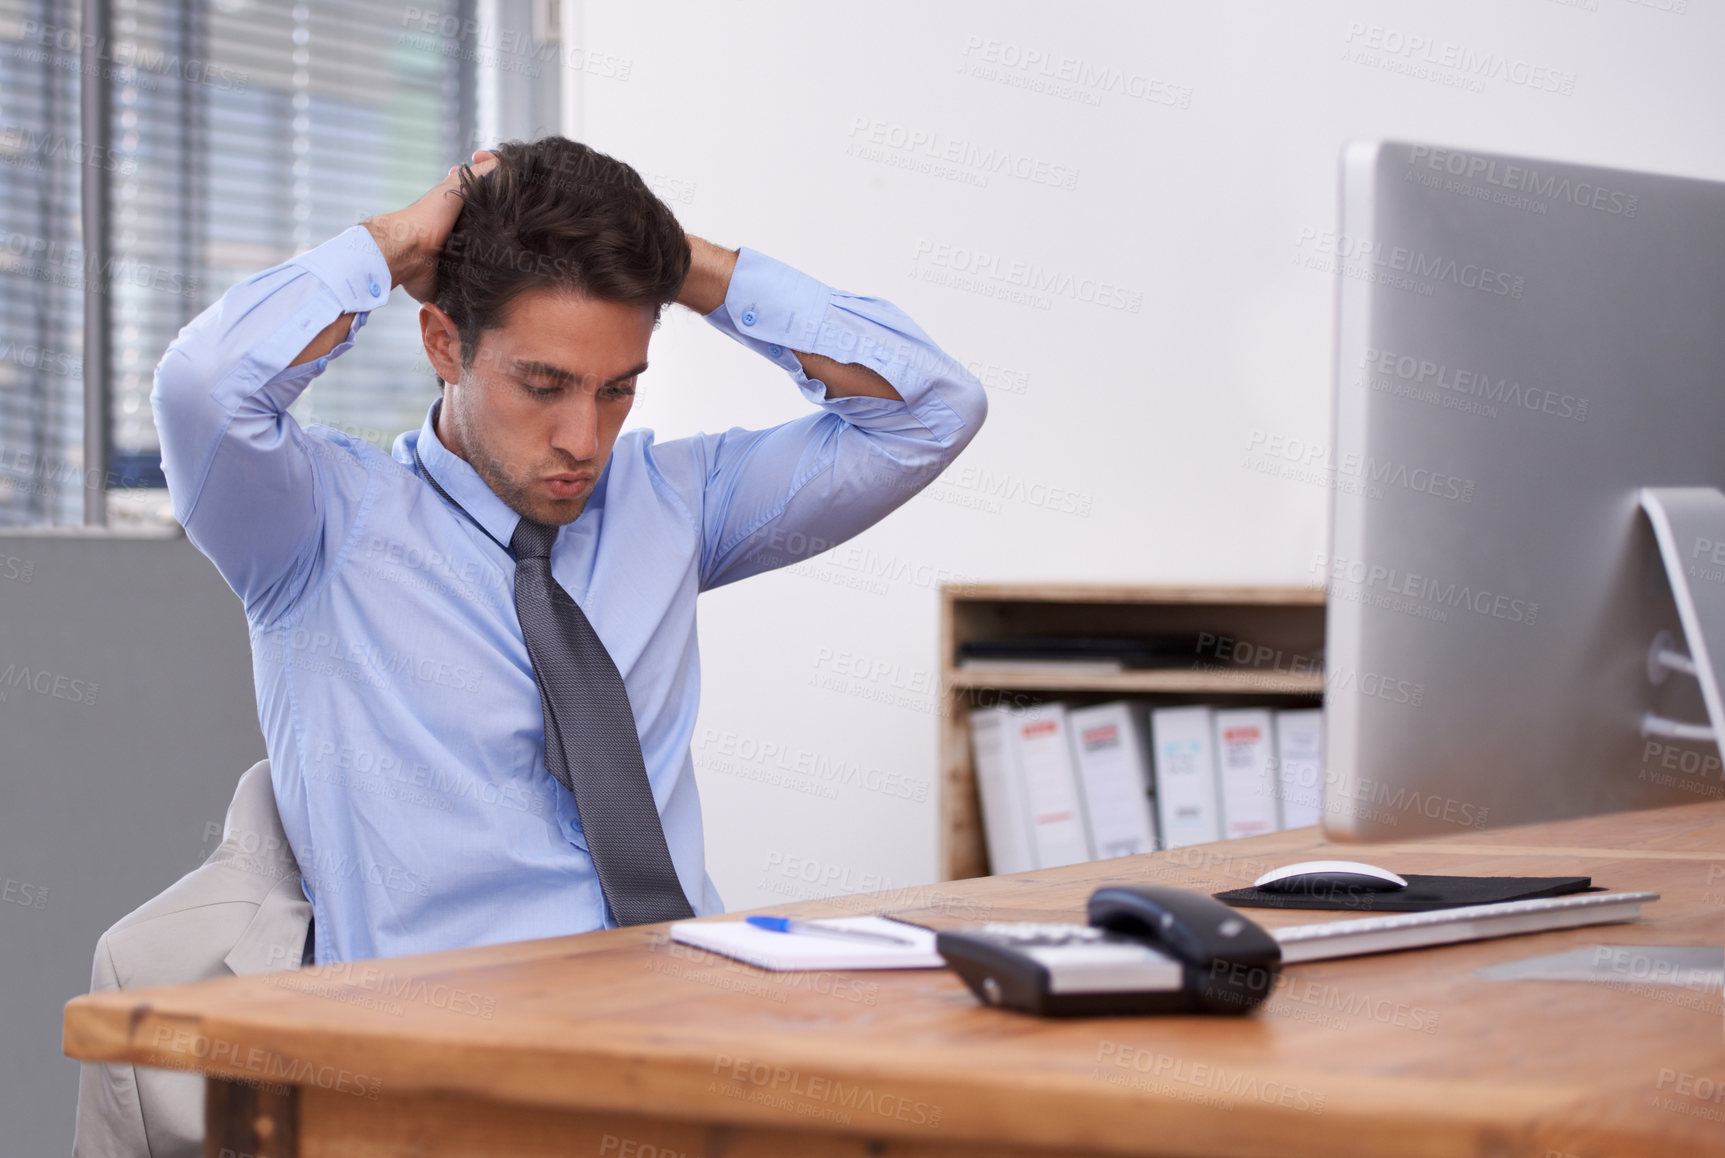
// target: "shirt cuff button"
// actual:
[[775, 351], [749, 318]]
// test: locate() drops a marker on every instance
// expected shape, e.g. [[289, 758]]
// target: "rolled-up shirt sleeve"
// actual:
[[777, 496], [247, 483]]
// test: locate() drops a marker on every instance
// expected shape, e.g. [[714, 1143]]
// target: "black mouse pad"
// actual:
[[1421, 894]]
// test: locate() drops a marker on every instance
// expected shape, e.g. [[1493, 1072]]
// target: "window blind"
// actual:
[[242, 132], [41, 284]]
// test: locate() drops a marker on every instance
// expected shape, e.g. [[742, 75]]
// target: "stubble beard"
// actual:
[[516, 494]]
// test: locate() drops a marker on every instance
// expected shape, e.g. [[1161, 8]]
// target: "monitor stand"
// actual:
[[1687, 523]]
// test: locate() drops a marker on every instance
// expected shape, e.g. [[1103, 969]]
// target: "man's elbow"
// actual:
[[969, 400], [174, 385]]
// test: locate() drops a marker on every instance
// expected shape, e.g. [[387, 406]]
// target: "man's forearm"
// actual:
[[403, 248], [709, 277], [327, 339], [704, 290]]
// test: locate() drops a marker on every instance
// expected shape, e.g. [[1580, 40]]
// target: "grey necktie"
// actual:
[[590, 740]]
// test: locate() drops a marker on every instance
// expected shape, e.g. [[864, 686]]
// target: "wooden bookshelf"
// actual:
[[1283, 628]]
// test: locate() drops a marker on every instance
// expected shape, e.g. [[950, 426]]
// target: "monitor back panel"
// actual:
[[1521, 346]]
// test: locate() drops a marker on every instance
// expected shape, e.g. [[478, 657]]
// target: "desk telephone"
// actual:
[[1147, 949]]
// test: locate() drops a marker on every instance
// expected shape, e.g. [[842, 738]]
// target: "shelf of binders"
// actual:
[[1255, 646], [1223, 682]]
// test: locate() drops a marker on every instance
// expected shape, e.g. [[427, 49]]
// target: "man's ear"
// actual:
[[442, 343]]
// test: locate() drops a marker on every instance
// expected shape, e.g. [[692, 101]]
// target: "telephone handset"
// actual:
[[1147, 949]]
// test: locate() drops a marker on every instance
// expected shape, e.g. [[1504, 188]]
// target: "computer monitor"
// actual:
[[1529, 355]]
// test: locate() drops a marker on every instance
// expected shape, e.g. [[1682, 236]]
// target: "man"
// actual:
[[475, 656]]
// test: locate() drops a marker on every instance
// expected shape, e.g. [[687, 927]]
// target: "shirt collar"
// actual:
[[459, 479]]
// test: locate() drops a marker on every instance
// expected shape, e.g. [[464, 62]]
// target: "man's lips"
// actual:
[[565, 486]]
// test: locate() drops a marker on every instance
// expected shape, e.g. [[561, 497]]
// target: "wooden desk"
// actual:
[[620, 1044]]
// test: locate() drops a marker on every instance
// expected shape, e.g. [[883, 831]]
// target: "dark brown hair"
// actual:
[[555, 214]]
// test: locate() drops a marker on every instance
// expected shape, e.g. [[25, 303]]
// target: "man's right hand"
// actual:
[[412, 238]]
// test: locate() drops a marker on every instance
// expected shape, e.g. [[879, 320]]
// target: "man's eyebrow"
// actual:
[[558, 373]]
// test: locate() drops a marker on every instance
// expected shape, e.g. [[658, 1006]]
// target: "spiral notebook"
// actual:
[[794, 952]]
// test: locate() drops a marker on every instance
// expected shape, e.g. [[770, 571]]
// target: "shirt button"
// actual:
[[375, 291], [749, 317], [775, 351]]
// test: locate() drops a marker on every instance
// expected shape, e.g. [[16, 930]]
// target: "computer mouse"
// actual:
[[1323, 876]]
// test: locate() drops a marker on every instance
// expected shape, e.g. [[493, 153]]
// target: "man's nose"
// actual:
[[577, 429]]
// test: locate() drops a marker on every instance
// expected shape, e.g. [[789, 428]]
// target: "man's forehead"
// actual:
[[569, 336]]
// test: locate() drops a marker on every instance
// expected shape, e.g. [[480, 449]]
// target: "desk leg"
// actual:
[[245, 1118]]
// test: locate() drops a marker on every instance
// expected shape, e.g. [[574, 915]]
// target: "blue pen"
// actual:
[[787, 925]]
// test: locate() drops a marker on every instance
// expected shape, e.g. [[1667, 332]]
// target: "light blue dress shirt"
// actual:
[[398, 703]]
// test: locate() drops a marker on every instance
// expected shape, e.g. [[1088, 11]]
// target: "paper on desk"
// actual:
[[1698, 967], [792, 952]]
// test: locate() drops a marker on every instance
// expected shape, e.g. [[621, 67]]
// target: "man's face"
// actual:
[[538, 407]]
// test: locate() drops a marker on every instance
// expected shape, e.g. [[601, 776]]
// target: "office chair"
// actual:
[[240, 912]]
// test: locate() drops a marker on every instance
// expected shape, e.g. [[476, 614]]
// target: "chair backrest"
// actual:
[[252, 835]]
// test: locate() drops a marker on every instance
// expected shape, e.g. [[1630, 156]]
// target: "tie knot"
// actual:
[[532, 540]]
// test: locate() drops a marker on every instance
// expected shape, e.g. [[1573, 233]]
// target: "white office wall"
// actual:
[[1199, 143]]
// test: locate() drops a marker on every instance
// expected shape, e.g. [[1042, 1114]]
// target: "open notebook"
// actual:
[[794, 952]]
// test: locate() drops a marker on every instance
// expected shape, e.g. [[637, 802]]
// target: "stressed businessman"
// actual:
[[475, 655]]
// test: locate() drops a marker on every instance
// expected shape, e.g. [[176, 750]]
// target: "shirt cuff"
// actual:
[[352, 266], [772, 308]]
